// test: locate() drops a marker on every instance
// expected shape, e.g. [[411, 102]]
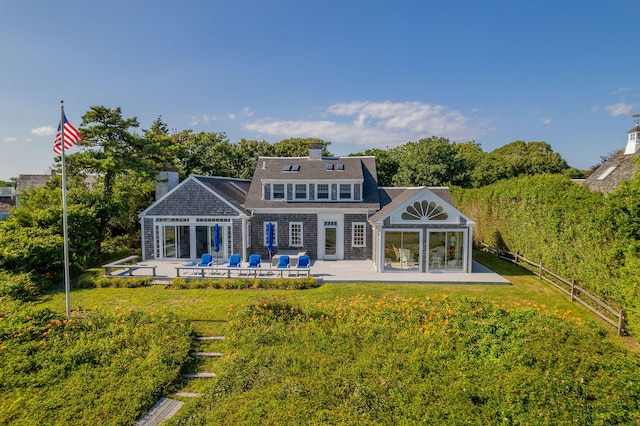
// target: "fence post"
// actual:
[[573, 290], [622, 323], [516, 257], [540, 270]]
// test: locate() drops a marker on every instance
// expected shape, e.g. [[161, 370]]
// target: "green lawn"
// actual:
[[388, 353]]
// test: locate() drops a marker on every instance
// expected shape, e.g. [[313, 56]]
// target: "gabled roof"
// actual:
[[608, 177], [392, 199], [233, 190], [230, 191], [315, 169]]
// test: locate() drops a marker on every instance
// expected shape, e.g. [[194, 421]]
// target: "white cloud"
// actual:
[[247, 111], [44, 131], [376, 124], [202, 119], [595, 108], [620, 90], [619, 109], [546, 121], [231, 116], [9, 139]]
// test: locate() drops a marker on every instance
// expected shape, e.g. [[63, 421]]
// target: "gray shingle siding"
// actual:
[[309, 233], [356, 253], [148, 239], [191, 200]]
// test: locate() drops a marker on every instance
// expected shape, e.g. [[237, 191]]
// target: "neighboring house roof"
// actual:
[[6, 205], [608, 177], [26, 182], [315, 169]]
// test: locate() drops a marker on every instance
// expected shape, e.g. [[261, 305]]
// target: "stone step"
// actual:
[[210, 338], [206, 353], [198, 375], [162, 410], [188, 394]]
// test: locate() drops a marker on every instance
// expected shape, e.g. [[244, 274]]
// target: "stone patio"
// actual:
[[347, 271]]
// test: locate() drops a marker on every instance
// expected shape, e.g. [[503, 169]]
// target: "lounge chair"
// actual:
[[234, 261], [255, 262], [303, 264], [206, 260], [283, 263]]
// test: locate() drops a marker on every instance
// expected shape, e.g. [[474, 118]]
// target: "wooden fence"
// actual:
[[612, 316]]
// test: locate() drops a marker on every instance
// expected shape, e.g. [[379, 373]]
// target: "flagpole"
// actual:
[[67, 285]]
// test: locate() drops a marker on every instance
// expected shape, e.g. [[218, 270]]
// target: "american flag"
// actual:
[[71, 137]]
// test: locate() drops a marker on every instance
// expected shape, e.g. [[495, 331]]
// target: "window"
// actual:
[[345, 191], [278, 191], [606, 173], [275, 234], [358, 235], [301, 191], [295, 234], [329, 166], [322, 191], [340, 166]]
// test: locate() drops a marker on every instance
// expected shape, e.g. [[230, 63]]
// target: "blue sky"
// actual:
[[361, 74]]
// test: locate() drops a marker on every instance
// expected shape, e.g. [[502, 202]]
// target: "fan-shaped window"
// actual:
[[424, 210]]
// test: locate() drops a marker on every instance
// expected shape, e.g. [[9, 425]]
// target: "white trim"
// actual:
[[301, 236], [364, 234]]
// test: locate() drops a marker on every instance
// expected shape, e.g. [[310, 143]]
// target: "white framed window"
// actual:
[[358, 234], [265, 235], [277, 191], [322, 191], [300, 192], [295, 234], [345, 191]]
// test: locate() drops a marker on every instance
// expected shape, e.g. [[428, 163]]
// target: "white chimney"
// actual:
[[166, 180], [315, 150]]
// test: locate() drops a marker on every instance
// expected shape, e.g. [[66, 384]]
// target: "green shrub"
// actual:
[[18, 286], [88, 278], [240, 283], [122, 282]]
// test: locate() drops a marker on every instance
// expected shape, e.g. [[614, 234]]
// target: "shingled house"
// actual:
[[619, 168], [331, 208]]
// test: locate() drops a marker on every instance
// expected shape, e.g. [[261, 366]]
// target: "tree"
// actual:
[[429, 162], [531, 158], [387, 164], [298, 147]]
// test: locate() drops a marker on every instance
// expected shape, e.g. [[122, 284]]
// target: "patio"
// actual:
[[347, 271]]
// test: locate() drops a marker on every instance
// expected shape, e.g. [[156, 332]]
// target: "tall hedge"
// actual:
[[576, 233]]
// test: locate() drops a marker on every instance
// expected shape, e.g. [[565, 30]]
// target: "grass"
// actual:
[[373, 353]]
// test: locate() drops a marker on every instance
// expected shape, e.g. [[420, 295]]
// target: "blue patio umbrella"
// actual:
[[216, 240], [270, 237]]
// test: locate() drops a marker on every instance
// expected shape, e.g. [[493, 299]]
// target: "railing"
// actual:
[[612, 316]]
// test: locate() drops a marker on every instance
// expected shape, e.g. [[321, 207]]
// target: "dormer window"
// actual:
[[322, 191], [340, 166], [278, 191], [300, 191], [345, 191], [329, 166]]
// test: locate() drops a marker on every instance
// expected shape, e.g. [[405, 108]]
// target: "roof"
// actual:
[[392, 197], [26, 182], [608, 177], [231, 189], [362, 168]]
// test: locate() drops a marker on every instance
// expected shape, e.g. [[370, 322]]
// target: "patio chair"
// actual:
[[235, 261], [303, 264], [255, 262], [206, 260], [284, 262]]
